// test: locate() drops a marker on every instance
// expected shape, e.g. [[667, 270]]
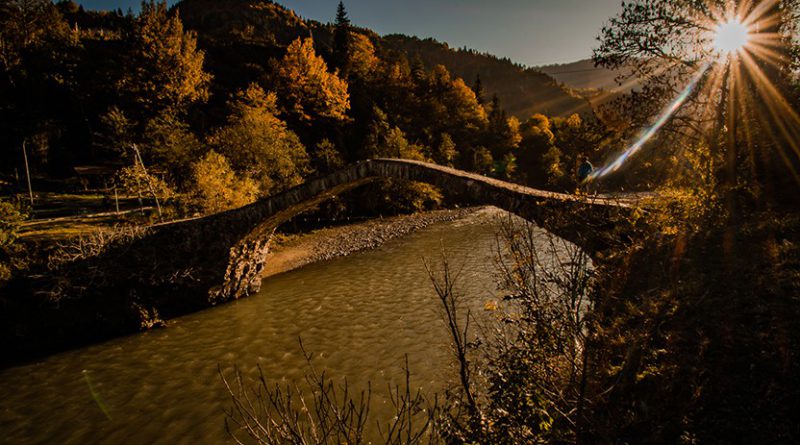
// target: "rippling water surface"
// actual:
[[358, 315]]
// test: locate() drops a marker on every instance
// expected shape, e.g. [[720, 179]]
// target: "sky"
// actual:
[[531, 32]]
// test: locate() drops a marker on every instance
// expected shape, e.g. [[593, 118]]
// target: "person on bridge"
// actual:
[[586, 168]]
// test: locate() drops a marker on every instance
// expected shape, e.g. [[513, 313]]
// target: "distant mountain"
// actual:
[[522, 91], [582, 75], [244, 21], [244, 32]]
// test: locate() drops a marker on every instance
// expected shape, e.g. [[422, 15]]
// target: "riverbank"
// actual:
[[112, 304], [289, 252]]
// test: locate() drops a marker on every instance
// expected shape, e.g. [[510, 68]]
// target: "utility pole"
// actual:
[[149, 182], [27, 170]]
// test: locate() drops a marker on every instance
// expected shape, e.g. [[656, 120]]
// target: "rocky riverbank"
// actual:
[[118, 291], [290, 252]]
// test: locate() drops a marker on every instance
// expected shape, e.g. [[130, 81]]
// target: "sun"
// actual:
[[731, 36]]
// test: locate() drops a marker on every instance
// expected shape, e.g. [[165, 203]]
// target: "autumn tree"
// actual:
[[170, 143], [259, 144], [308, 91], [27, 23], [11, 217], [166, 68], [362, 61], [445, 152], [215, 187]]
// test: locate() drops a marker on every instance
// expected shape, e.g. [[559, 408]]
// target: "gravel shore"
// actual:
[[291, 252]]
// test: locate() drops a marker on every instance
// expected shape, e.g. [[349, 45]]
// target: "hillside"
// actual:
[[582, 75], [522, 91], [237, 32]]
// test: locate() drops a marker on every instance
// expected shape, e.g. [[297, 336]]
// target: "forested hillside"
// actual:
[[246, 97], [523, 91]]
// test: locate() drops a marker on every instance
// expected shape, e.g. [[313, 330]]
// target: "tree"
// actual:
[[738, 103], [362, 62], [503, 131], [326, 157], [168, 142], [446, 151], [216, 188], [136, 180], [165, 74], [341, 38], [482, 161], [477, 88], [260, 145], [26, 23], [11, 217], [386, 141], [308, 91], [538, 140]]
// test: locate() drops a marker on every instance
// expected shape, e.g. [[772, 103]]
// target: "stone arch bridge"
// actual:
[[175, 268], [223, 254]]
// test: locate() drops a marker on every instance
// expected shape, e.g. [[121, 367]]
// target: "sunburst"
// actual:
[[740, 49], [731, 36]]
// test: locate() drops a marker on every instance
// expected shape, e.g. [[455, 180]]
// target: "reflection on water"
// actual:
[[358, 315]]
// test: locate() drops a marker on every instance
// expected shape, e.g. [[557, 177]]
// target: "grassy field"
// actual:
[[59, 216]]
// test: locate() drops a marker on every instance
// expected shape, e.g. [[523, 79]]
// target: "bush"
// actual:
[[11, 217], [135, 180], [521, 378], [215, 187]]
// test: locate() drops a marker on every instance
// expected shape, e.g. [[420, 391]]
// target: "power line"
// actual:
[[571, 71]]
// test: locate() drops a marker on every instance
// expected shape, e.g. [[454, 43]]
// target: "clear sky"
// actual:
[[532, 32]]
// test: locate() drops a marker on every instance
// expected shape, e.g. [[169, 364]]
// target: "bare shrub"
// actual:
[[92, 244], [532, 362], [322, 412]]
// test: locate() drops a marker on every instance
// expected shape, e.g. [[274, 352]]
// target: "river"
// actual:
[[358, 315]]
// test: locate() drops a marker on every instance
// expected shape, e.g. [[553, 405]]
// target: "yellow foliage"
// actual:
[[306, 86], [362, 59], [135, 180], [168, 68], [258, 143], [217, 188]]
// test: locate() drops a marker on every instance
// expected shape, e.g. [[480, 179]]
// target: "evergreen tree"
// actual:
[[446, 151], [341, 38], [502, 132], [477, 88], [537, 143]]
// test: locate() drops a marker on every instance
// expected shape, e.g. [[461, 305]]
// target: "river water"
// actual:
[[358, 315]]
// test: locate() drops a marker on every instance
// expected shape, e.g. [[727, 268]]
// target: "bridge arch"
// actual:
[[179, 267], [222, 255]]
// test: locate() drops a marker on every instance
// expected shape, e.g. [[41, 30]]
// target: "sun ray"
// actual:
[[648, 134]]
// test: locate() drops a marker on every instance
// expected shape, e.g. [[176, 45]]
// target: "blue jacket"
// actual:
[[585, 170]]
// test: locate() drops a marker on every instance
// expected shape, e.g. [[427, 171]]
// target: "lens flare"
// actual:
[[731, 36], [620, 160]]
